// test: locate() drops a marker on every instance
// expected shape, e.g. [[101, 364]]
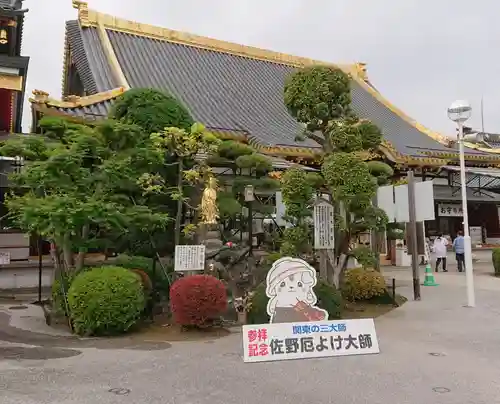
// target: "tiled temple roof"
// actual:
[[226, 86]]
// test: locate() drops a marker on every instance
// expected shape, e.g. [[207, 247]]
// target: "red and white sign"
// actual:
[[282, 341]]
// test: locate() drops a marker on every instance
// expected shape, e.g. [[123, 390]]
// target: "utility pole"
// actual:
[[412, 225], [374, 240]]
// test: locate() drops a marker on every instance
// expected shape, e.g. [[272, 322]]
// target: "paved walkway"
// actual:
[[463, 370]]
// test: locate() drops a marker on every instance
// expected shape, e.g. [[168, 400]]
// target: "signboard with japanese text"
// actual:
[[274, 342], [476, 234], [324, 226], [189, 257], [450, 210], [290, 288], [4, 258]]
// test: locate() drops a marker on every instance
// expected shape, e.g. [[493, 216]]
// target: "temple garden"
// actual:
[[149, 178]]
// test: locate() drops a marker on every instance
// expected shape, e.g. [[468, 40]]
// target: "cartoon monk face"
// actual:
[[296, 287], [290, 283]]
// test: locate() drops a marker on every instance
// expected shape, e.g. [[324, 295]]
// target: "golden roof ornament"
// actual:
[[209, 208], [83, 11], [40, 96], [361, 71]]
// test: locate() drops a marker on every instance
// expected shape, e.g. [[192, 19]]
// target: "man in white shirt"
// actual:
[[440, 251]]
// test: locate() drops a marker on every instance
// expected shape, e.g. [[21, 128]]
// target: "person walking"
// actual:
[[459, 248], [439, 248]]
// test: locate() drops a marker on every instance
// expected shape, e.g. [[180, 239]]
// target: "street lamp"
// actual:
[[459, 112]]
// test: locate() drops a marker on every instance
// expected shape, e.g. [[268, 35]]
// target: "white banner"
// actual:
[[282, 341], [450, 210], [394, 201], [189, 257]]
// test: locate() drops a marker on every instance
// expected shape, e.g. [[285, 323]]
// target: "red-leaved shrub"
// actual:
[[198, 299]]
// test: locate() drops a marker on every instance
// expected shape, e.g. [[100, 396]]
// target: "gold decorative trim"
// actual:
[[482, 149], [91, 18], [120, 78], [421, 128], [12, 99], [83, 12], [11, 82], [74, 101], [361, 71]]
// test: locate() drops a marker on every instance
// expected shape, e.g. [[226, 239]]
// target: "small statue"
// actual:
[[209, 209]]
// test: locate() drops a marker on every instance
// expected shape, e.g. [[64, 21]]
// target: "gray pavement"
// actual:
[[465, 370]]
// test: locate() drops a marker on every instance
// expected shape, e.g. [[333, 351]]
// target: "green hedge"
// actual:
[[329, 299], [106, 300], [158, 279]]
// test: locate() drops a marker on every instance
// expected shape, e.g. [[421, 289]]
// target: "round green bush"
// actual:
[[105, 301], [151, 109], [363, 284], [329, 299]]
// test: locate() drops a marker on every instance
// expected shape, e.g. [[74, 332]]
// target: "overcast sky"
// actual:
[[421, 54]]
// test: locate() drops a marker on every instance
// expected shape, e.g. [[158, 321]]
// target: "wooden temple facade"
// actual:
[[237, 92], [13, 74]]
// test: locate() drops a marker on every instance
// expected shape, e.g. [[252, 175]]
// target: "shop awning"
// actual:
[[479, 178]]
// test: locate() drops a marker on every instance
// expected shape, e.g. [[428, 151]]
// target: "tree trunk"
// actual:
[[55, 253], [374, 241], [339, 269], [180, 204], [82, 251], [67, 253], [323, 266]]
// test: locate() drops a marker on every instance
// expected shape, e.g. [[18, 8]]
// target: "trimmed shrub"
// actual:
[[495, 255], [197, 300], [145, 281], [329, 299], [363, 284], [105, 301], [156, 278], [151, 109]]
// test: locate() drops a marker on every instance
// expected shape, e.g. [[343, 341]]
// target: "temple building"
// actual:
[[13, 73], [237, 92]]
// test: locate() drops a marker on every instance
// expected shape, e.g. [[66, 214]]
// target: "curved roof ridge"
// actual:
[[73, 101], [91, 18]]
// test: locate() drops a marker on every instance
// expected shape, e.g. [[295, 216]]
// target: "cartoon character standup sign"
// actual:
[[290, 283]]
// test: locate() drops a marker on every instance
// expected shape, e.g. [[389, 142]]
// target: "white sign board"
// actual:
[[424, 201], [401, 204], [450, 210], [189, 257], [324, 226], [282, 341], [476, 234], [397, 207], [4, 258], [385, 201]]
